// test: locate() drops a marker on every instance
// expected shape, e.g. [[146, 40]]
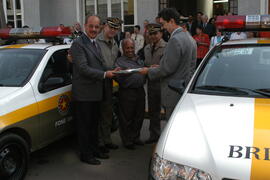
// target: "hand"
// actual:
[[154, 66], [144, 71], [69, 58], [117, 69], [109, 74]]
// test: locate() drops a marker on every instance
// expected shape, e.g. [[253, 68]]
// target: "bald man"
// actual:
[[89, 74], [131, 96]]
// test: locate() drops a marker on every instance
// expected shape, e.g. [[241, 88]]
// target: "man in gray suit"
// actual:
[[87, 90], [178, 61]]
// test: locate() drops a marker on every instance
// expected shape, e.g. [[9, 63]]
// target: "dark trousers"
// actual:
[[87, 117], [131, 113], [154, 107], [106, 112]]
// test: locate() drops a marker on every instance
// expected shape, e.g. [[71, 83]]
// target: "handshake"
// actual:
[[144, 71]]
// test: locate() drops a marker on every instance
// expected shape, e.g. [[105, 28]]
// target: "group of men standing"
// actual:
[[96, 63]]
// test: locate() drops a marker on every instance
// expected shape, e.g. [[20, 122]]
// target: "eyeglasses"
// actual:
[[94, 26]]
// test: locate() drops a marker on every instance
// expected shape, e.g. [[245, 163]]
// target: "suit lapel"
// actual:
[[96, 51]]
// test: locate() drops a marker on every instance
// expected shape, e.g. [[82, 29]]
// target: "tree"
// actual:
[[2, 15]]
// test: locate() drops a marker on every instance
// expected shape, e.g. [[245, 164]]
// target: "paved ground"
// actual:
[[60, 161]]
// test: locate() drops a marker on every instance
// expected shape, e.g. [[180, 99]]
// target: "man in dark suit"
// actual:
[[178, 62], [87, 89]]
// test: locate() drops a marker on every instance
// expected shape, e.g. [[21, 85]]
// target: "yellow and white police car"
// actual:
[[35, 90], [220, 129]]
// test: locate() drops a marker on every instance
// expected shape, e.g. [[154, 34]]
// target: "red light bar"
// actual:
[[230, 22], [28, 33], [4, 33], [244, 23], [55, 31]]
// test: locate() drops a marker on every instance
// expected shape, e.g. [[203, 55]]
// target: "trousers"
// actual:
[[131, 113], [87, 118]]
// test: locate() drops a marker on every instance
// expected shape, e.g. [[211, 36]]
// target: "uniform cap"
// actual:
[[114, 22], [153, 28]]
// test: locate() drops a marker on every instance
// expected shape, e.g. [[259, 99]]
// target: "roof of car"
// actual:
[[248, 41], [34, 46]]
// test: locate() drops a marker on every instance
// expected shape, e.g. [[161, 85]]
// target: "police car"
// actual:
[[220, 129], [35, 90]]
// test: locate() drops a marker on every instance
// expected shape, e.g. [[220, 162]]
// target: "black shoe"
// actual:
[[111, 146], [103, 149], [92, 161], [130, 146], [101, 155], [138, 142], [151, 141]]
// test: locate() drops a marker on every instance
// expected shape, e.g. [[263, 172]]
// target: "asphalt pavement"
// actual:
[[60, 161]]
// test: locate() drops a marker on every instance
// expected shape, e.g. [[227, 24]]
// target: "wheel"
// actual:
[[14, 155]]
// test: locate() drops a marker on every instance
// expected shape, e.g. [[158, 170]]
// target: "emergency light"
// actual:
[[243, 23], [34, 33]]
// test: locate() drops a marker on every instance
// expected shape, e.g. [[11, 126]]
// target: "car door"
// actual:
[[53, 97]]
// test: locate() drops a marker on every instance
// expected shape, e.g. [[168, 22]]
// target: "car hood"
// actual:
[[217, 133], [5, 91]]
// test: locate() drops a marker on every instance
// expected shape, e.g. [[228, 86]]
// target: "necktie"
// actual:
[[94, 44]]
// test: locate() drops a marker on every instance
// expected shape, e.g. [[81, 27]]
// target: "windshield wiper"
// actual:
[[223, 89], [265, 92], [246, 91]]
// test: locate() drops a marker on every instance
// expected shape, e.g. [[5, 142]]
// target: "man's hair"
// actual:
[[138, 27], [90, 15], [201, 13], [124, 42], [169, 13]]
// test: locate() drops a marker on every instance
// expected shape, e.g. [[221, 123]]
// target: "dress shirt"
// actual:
[[175, 31]]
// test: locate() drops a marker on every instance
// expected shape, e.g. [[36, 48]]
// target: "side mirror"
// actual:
[[51, 83], [177, 86]]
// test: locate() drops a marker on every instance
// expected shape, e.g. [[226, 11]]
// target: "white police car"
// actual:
[[220, 129], [35, 90]]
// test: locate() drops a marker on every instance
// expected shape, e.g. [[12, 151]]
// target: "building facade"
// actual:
[[54, 12]]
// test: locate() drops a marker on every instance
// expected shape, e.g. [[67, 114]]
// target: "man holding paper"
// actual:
[[131, 95]]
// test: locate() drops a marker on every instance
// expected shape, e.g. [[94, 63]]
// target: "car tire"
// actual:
[[14, 157]]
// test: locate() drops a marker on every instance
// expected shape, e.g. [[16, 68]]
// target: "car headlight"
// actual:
[[162, 169]]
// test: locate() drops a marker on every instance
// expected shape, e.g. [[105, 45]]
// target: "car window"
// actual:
[[57, 67], [236, 70], [17, 65]]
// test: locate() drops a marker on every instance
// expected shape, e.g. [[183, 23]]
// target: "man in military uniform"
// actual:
[[153, 53], [109, 51]]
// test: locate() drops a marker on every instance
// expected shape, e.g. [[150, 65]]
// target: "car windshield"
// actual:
[[17, 65], [236, 70]]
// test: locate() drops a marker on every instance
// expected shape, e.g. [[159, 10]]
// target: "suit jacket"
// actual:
[[88, 70], [210, 30], [177, 64]]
